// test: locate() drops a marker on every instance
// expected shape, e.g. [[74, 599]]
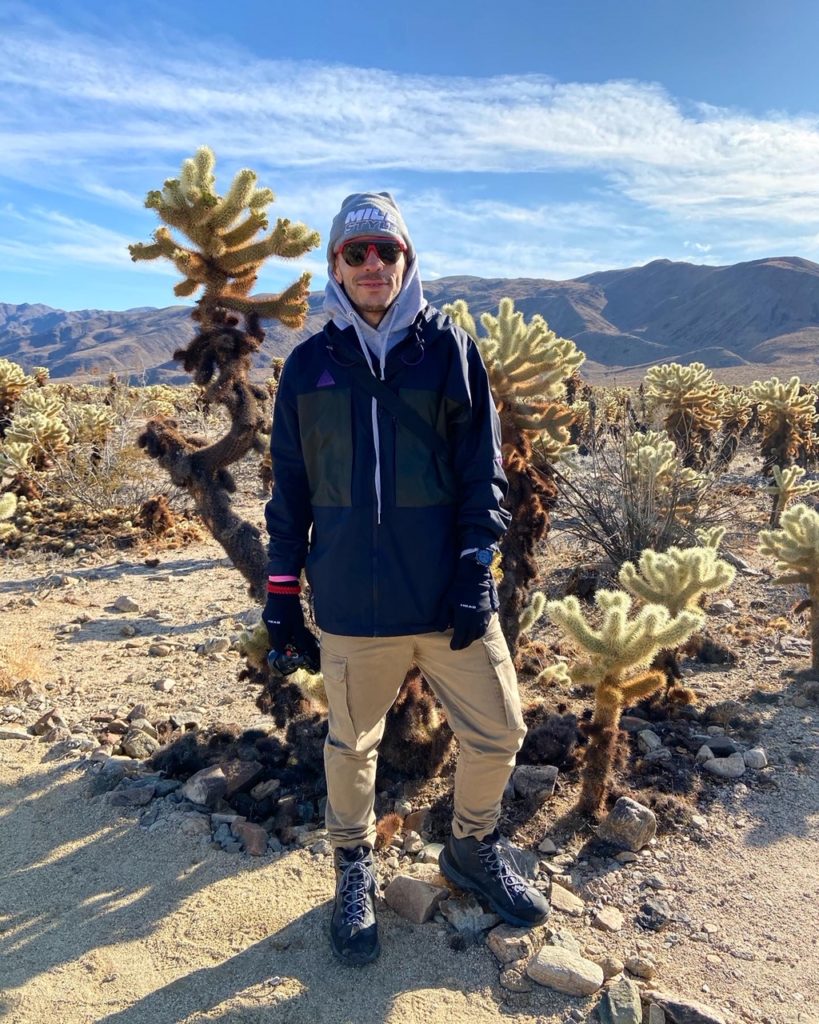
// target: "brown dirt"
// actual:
[[103, 921]]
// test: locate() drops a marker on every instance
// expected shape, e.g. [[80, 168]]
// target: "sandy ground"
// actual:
[[104, 921]]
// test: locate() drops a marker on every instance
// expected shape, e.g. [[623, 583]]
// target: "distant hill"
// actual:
[[763, 313]]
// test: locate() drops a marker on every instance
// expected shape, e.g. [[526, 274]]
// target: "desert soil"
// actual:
[[103, 920]]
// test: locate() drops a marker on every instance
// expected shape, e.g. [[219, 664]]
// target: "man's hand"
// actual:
[[284, 619], [469, 605]]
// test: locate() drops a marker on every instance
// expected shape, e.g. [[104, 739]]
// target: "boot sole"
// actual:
[[358, 961], [464, 883]]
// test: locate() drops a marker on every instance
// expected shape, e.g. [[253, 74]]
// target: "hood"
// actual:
[[402, 313]]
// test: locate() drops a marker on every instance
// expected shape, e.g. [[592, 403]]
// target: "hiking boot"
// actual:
[[353, 929], [478, 865]]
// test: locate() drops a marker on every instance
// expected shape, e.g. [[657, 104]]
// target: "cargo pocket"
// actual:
[[340, 723], [497, 650]]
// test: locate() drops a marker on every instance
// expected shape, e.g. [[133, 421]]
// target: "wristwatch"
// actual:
[[484, 556]]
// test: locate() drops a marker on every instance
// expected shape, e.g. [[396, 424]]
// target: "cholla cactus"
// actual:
[[13, 382], [710, 536], [653, 464], [89, 424], [532, 612], [15, 458], [528, 366], [787, 414], [226, 256], [795, 546], [8, 506], [690, 400], [785, 487], [47, 435], [618, 651], [554, 675], [735, 411], [677, 578], [47, 403], [40, 375]]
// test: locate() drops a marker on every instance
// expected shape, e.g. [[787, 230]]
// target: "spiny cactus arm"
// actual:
[[795, 545], [186, 287], [226, 210], [532, 612], [8, 505], [290, 307], [287, 241], [710, 536], [244, 232], [641, 686], [459, 312], [554, 674], [568, 614]]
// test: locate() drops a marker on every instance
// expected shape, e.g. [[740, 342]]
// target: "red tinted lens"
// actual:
[[355, 253]]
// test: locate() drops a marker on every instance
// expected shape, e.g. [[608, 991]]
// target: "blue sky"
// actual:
[[549, 138]]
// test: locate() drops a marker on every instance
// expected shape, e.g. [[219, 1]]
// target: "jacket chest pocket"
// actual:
[[421, 477], [325, 428]]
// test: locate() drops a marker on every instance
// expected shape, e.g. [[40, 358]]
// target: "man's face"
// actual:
[[372, 287]]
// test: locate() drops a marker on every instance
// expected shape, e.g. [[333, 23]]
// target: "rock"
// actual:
[[721, 607], [547, 846], [660, 754], [216, 645], [159, 650], [413, 898], [467, 916], [264, 789], [509, 944], [648, 740], [629, 824], [608, 919], [726, 767], [564, 939], [321, 848], [611, 966], [194, 824], [206, 786], [755, 758], [626, 857], [631, 723], [144, 726], [656, 1014], [566, 902], [654, 915], [705, 753], [416, 821], [138, 744], [125, 604], [621, 1004], [164, 685], [683, 1011], [132, 796], [253, 836], [722, 746], [641, 967], [513, 978], [564, 971], [239, 774], [413, 843], [430, 853], [50, 720], [534, 782], [8, 732]]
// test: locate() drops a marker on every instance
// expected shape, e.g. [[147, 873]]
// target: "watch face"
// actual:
[[484, 557]]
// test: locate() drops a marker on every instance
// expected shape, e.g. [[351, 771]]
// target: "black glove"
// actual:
[[469, 604], [284, 619]]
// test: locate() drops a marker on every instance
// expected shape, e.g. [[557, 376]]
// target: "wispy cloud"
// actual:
[[106, 119]]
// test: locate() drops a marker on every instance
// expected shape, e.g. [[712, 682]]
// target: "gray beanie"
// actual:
[[368, 213]]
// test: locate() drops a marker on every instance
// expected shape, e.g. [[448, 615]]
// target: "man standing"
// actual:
[[402, 529]]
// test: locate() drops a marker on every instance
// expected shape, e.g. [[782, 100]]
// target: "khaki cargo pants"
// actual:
[[478, 690]]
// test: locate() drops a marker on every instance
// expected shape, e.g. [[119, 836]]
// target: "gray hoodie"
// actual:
[[376, 342]]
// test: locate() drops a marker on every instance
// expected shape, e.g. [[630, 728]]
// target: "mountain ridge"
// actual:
[[762, 312]]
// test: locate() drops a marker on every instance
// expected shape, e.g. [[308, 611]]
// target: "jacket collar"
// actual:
[[343, 346]]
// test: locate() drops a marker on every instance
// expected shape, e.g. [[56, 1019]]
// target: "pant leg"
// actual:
[[362, 677], [479, 691]]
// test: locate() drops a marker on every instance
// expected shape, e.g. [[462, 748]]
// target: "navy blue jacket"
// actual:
[[386, 578]]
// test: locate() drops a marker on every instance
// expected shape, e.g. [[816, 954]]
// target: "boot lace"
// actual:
[[513, 884], [357, 881]]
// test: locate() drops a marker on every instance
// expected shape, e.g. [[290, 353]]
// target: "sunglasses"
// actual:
[[355, 253]]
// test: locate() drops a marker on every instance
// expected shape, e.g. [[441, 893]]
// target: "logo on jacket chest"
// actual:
[[325, 380]]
